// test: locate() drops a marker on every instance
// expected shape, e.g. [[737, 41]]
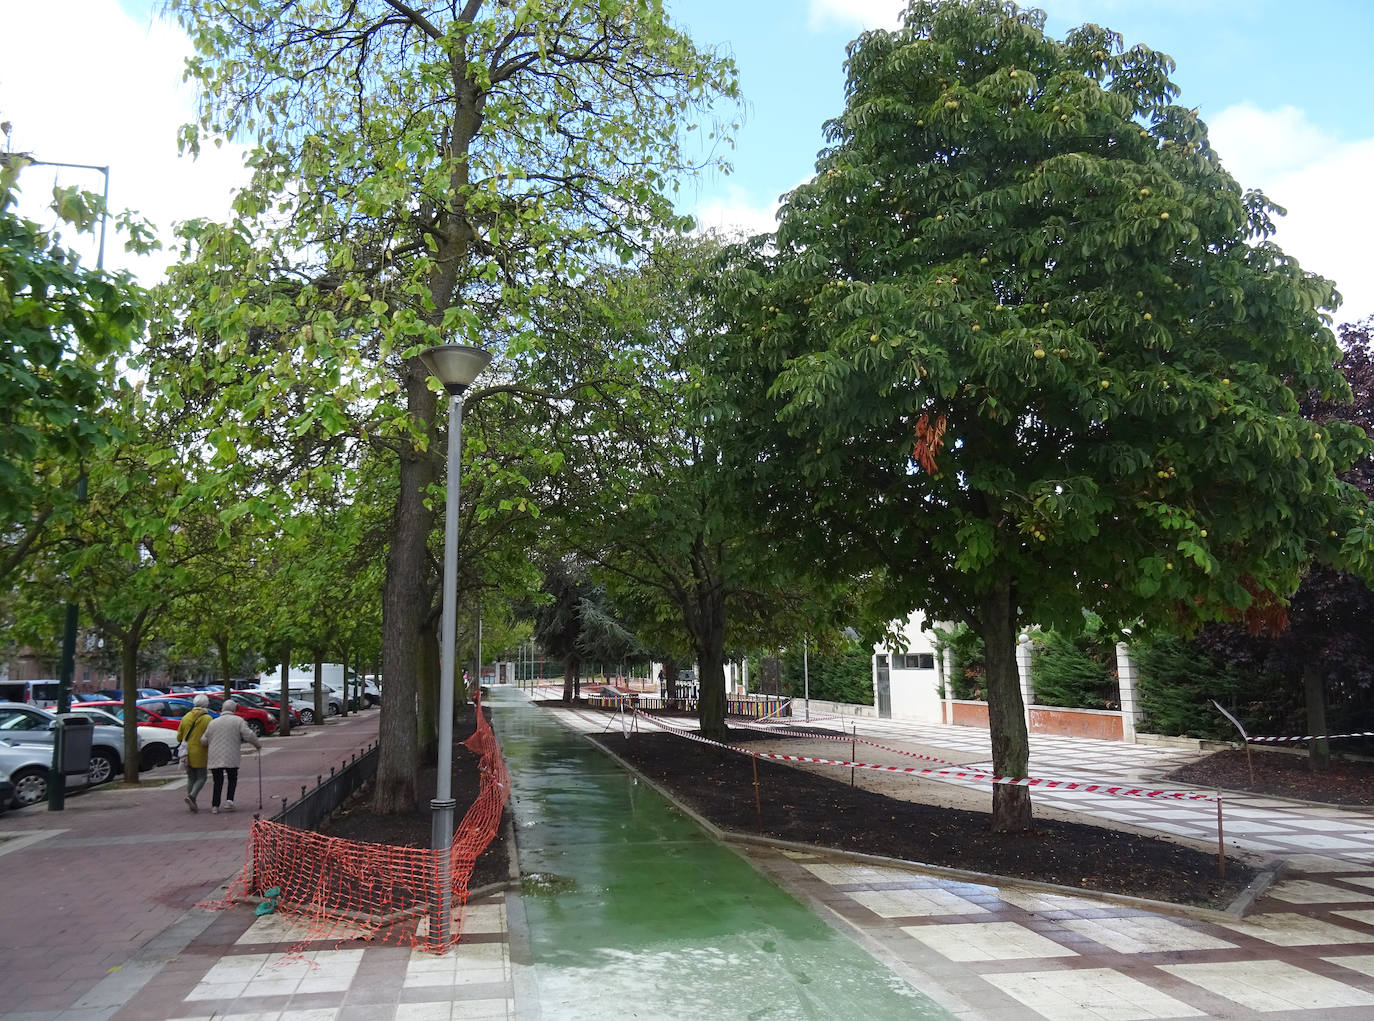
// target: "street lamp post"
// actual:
[[456, 366], [66, 670]]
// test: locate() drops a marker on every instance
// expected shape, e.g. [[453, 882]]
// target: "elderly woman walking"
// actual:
[[223, 741]]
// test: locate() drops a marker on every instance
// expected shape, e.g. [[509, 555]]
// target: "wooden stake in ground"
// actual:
[[758, 804], [1221, 842]]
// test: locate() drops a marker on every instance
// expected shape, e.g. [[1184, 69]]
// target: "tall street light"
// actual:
[[456, 366], [66, 670]]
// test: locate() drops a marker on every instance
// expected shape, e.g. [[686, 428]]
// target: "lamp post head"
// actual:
[[455, 365]]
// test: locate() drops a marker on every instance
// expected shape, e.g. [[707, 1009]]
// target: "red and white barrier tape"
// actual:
[[1309, 737], [949, 774], [788, 732]]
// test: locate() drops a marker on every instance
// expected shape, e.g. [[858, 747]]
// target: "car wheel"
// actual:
[[373, 700], [159, 754], [333, 709], [256, 727], [30, 786], [307, 717], [102, 769]]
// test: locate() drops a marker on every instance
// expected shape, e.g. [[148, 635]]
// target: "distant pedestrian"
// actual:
[[191, 730], [223, 741]]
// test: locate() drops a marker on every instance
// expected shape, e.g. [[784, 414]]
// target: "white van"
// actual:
[[40, 693]]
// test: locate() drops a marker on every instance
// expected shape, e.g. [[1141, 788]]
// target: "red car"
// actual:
[[271, 706], [258, 721], [146, 717]]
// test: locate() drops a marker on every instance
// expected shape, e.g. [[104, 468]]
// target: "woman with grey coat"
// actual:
[[223, 740]]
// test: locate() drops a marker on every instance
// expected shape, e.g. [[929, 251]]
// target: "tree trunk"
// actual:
[[222, 647], [1011, 804], [405, 607], [427, 696], [128, 682], [710, 649], [320, 712], [1319, 751], [572, 670], [343, 660]]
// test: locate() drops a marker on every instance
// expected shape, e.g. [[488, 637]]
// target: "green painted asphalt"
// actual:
[[632, 910]]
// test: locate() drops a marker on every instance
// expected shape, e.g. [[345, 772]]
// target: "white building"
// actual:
[[906, 683]]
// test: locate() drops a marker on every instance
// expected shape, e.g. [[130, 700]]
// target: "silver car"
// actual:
[[21, 723]]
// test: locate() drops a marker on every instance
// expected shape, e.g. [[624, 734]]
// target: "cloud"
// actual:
[[737, 212], [115, 98], [1320, 180], [863, 14]]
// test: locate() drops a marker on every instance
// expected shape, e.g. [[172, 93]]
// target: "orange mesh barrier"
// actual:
[[353, 889]]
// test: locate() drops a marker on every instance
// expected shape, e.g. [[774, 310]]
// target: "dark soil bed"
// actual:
[[356, 820], [1282, 774], [798, 806]]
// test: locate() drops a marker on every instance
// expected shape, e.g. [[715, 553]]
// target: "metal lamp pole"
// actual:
[[456, 366], [66, 671]]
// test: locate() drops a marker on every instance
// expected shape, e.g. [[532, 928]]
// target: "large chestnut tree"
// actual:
[[1022, 348]]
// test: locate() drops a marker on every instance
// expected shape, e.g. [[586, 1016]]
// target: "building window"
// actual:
[[913, 661]]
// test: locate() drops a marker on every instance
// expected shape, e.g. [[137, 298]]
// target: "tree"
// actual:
[[64, 327], [1023, 349], [427, 172], [672, 545], [1322, 639]]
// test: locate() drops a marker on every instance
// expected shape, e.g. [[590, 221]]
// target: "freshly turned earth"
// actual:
[[356, 820], [920, 821], [807, 808]]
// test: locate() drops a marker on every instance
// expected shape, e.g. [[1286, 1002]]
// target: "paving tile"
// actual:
[[1363, 963], [1322, 863], [986, 941], [1034, 901], [1285, 929], [1095, 994], [1271, 985], [1146, 935], [900, 903], [1306, 891]]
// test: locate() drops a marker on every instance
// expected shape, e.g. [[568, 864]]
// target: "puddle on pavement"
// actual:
[[545, 884]]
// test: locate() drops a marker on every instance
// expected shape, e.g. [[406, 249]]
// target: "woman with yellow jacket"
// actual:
[[192, 727]]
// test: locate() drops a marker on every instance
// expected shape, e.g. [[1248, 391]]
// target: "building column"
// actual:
[[947, 668], [1130, 706], [1023, 670]]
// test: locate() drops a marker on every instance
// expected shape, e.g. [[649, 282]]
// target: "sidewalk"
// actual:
[[94, 898]]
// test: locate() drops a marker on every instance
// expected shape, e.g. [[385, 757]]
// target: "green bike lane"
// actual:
[[632, 910]]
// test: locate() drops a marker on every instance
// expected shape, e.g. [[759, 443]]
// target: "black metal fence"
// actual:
[[315, 805]]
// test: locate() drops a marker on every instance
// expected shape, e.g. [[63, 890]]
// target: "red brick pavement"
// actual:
[[119, 867]]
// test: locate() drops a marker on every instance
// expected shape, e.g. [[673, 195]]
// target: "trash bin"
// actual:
[[74, 733]]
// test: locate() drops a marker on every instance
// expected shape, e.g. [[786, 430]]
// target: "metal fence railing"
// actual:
[[316, 804]]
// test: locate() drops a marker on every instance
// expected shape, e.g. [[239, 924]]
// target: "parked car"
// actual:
[[295, 709], [333, 700], [157, 746], [28, 724], [145, 716], [259, 722], [27, 767]]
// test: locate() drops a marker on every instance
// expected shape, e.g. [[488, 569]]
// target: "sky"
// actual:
[[1282, 86]]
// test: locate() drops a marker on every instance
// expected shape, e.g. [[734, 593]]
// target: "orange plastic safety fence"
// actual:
[[352, 889]]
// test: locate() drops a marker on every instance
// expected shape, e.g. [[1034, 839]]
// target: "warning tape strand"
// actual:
[[1309, 737], [949, 774]]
